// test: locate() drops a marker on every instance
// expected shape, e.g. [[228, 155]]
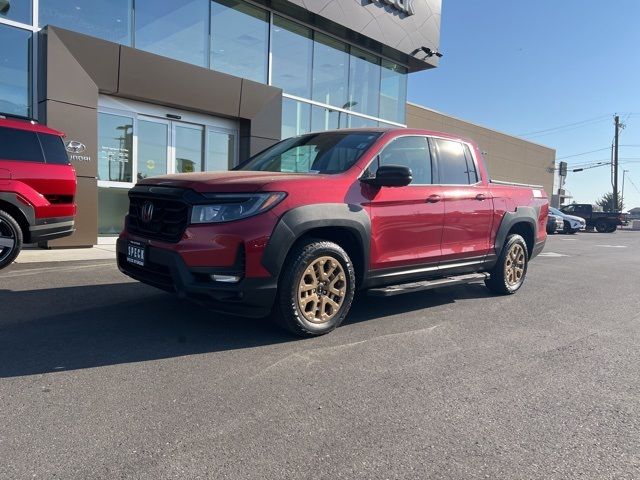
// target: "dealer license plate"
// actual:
[[136, 253]]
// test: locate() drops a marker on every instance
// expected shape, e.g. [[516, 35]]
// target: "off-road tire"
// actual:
[[9, 228], [601, 226], [498, 281], [287, 311]]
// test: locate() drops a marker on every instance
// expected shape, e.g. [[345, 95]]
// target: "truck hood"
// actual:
[[228, 181]]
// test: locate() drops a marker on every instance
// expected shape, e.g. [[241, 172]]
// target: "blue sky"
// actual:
[[526, 66]]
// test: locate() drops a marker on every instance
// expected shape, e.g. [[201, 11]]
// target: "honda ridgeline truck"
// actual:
[[37, 186], [299, 228]]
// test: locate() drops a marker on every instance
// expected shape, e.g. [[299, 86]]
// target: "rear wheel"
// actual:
[[611, 228], [10, 239], [316, 289], [567, 227], [601, 226], [508, 274]]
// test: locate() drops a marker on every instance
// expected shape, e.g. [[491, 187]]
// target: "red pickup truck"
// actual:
[[299, 228], [37, 186]]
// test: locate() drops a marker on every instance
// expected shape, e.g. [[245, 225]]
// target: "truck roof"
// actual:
[[29, 125]]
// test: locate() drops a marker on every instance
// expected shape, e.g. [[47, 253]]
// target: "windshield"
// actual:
[[329, 152], [555, 211]]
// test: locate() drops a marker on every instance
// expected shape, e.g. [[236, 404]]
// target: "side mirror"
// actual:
[[391, 176]]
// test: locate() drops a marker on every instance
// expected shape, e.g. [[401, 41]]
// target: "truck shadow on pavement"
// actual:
[[62, 329]]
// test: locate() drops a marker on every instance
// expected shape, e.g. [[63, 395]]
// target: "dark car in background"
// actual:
[[554, 223]]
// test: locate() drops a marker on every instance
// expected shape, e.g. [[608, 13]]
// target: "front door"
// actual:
[[406, 222]]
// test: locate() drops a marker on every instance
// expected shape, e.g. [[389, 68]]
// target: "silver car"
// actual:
[[571, 223]]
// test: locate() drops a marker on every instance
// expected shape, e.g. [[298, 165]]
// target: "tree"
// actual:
[[606, 202]]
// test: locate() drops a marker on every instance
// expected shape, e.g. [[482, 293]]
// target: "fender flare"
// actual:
[[526, 215], [26, 210], [298, 221]]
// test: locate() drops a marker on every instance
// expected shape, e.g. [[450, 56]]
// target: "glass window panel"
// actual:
[[393, 92], [412, 152], [19, 145], [178, 30], [152, 148], [15, 89], [330, 71], [221, 151], [359, 122], [115, 148], [326, 119], [189, 149], [240, 39], [113, 206], [53, 148], [364, 82], [452, 164], [16, 10], [106, 19], [296, 118], [292, 56]]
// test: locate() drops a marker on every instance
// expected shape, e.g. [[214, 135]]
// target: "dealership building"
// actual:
[[147, 87]]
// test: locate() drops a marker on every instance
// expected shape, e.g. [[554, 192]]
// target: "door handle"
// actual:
[[481, 196], [433, 198]]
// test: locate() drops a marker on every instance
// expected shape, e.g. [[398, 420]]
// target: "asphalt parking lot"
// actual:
[[102, 377]]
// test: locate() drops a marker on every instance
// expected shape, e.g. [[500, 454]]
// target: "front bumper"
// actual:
[[47, 229], [165, 269]]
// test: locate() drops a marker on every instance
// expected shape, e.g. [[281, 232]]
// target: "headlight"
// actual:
[[225, 207]]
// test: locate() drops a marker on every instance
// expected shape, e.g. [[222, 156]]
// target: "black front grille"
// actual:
[[168, 220]]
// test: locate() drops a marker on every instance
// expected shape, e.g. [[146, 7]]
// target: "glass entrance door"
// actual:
[[133, 146]]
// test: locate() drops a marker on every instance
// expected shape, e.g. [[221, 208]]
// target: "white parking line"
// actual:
[[552, 254], [612, 246], [38, 271]]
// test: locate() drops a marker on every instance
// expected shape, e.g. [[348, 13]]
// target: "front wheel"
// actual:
[[507, 276], [316, 289], [10, 239]]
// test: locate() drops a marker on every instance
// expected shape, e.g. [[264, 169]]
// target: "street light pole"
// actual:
[[624, 174], [615, 165]]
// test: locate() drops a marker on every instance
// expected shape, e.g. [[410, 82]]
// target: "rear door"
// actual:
[[468, 206], [406, 222]]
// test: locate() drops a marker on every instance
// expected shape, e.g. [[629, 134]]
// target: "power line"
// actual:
[[594, 151], [568, 125]]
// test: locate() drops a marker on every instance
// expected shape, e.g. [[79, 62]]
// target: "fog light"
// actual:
[[225, 278]]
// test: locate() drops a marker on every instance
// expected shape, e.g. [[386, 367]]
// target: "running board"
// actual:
[[426, 285]]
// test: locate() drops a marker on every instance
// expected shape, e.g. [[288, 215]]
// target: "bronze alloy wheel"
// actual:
[[514, 265], [321, 290]]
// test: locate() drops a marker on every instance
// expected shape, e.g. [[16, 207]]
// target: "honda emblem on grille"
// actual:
[[147, 212]]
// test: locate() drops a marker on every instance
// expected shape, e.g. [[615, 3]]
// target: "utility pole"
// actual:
[[615, 165]]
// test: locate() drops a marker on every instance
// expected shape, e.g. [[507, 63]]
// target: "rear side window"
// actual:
[[20, 145], [54, 149], [452, 163], [473, 174]]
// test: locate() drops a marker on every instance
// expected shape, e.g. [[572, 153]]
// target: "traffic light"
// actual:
[[563, 169]]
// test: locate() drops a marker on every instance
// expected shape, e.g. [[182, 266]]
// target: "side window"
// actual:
[[452, 163], [19, 145], [473, 174], [412, 152], [53, 148]]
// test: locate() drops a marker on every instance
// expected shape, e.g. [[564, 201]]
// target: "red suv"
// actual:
[[37, 186], [302, 226]]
